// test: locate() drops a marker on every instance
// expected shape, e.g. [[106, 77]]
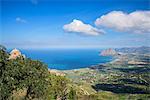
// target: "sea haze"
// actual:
[[66, 59]]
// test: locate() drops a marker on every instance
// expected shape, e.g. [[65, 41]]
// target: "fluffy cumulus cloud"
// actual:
[[78, 26], [135, 22], [20, 20]]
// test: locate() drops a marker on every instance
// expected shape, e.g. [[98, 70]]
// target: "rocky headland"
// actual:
[[109, 52]]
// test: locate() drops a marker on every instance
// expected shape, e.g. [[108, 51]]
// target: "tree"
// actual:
[[72, 94], [4, 90], [31, 76], [58, 87], [20, 73]]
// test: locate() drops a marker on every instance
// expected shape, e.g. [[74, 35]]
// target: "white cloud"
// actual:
[[135, 22], [78, 26], [20, 20]]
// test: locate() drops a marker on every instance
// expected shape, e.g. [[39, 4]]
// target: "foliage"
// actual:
[[22, 73], [32, 77], [60, 88]]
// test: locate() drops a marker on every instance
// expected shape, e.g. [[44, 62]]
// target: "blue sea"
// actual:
[[66, 59]]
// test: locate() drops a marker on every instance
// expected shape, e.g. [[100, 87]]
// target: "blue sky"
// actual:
[[74, 23]]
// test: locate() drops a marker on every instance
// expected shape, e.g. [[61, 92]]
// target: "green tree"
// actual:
[[72, 94], [58, 87], [33, 77], [20, 73], [4, 90]]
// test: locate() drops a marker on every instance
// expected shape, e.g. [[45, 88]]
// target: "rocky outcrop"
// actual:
[[109, 52], [15, 53]]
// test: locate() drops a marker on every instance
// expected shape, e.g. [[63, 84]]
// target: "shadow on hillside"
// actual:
[[130, 81], [100, 68], [119, 88], [134, 70]]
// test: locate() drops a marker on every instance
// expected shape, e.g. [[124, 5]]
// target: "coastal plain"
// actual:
[[127, 77]]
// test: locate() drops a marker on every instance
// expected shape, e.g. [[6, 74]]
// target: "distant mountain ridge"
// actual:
[[128, 50], [140, 50]]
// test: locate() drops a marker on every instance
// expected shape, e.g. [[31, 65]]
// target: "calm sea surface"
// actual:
[[65, 59]]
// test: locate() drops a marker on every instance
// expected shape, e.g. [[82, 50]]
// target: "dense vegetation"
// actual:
[[23, 78]]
